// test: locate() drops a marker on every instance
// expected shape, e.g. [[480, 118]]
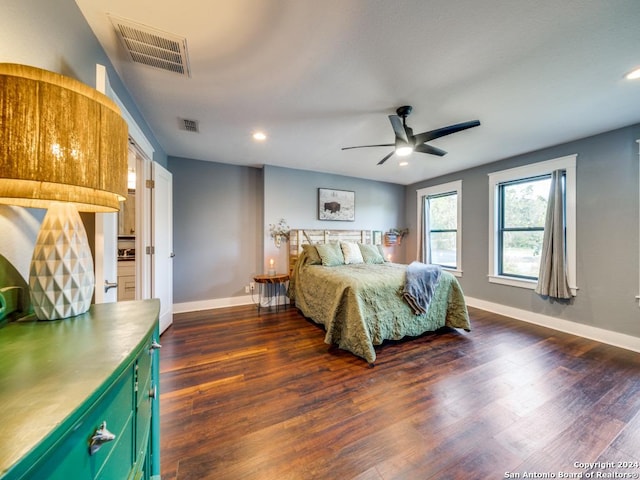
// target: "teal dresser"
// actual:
[[79, 397]]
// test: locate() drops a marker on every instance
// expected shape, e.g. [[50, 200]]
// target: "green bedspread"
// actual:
[[361, 305]]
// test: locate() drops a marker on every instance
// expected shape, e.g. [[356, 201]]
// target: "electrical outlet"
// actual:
[[252, 286], [246, 289]]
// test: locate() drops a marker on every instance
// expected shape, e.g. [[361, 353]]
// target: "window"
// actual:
[[439, 211], [518, 205], [443, 228], [522, 209]]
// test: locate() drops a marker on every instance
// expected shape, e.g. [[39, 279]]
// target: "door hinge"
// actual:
[[150, 184], [151, 250]]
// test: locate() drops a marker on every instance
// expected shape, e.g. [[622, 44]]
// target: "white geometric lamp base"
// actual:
[[61, 279]]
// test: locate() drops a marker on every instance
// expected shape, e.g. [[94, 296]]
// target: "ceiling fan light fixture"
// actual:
[[633, 74], [404, 150]]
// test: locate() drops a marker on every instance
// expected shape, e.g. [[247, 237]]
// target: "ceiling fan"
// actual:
[[406, 142]]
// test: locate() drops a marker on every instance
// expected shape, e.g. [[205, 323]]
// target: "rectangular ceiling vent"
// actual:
[[189, 125], [153, 47]]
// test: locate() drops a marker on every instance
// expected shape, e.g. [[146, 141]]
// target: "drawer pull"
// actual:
[[155, 345], [101, 436], [153, 392]]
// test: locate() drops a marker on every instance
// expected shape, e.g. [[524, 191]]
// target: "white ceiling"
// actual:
[[318, 75]]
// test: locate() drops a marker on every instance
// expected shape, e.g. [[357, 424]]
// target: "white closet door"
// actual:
[[162, 232]]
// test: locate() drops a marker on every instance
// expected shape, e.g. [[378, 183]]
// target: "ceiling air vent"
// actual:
[[189, 125], [153, 47]]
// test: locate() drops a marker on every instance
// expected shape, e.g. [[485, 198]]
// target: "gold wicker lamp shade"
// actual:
[[60, 141]]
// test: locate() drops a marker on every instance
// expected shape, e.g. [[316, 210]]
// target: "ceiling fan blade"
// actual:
[[367, 146], [398, 128], [441, 132], [424, 148], [386, 158]]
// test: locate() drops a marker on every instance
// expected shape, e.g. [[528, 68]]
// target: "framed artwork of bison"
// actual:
[[336, 205]]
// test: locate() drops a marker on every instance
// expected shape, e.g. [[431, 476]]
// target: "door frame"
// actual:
[[106, 224]]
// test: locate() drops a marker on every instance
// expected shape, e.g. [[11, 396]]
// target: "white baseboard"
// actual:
[[211, 304], [222, 303], [616, 339]]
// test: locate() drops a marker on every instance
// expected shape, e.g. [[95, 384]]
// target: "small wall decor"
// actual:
[[377, 237], [394, 236], [336, 205], [279, 232]]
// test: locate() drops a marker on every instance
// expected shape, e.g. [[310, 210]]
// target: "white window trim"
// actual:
[[450, 187], [568, 164]]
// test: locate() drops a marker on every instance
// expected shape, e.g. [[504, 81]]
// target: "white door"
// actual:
[[162, 232]]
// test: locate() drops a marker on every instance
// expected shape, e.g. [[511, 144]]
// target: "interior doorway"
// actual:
[[146, 241], [128, 231]]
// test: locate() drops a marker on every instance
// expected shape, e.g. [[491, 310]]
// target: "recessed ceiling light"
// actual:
[[633, 74], [403, 163], [259, 136]]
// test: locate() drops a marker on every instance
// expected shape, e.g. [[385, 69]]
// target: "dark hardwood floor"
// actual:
[[262, 397]]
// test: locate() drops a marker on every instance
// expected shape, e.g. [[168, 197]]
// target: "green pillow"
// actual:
[[331, 254], [312, 254], [370, 253]]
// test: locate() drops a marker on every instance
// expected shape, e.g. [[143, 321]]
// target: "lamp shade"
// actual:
[[63, 146], [60, 140]]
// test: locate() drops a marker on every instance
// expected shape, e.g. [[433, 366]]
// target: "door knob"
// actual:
[[108, 285]]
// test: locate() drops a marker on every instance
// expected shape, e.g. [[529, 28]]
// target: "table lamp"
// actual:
[[63, 147]]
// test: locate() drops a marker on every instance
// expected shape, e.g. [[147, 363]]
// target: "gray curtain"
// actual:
[[552, 277]]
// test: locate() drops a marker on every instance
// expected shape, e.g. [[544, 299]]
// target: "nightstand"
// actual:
[[271, 285]]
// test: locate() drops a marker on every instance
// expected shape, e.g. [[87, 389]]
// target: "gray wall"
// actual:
[[293, 195], [217, 217], [607, 232], [222, 215]]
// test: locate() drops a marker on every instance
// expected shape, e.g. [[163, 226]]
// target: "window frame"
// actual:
[[454, 187], [566, 163]]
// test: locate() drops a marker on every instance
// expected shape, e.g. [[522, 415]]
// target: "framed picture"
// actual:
[[377, 237], [336, 205]]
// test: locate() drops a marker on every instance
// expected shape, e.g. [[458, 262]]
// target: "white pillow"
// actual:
[[351, 252]]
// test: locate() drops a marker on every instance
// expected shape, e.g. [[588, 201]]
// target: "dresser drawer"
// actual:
[[70, 458]]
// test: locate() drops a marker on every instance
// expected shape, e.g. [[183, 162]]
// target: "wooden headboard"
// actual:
[[297, 238]]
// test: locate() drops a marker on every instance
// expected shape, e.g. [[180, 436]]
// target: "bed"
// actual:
[[361, 304]]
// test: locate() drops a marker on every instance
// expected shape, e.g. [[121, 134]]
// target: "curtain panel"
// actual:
[[552, 277]]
